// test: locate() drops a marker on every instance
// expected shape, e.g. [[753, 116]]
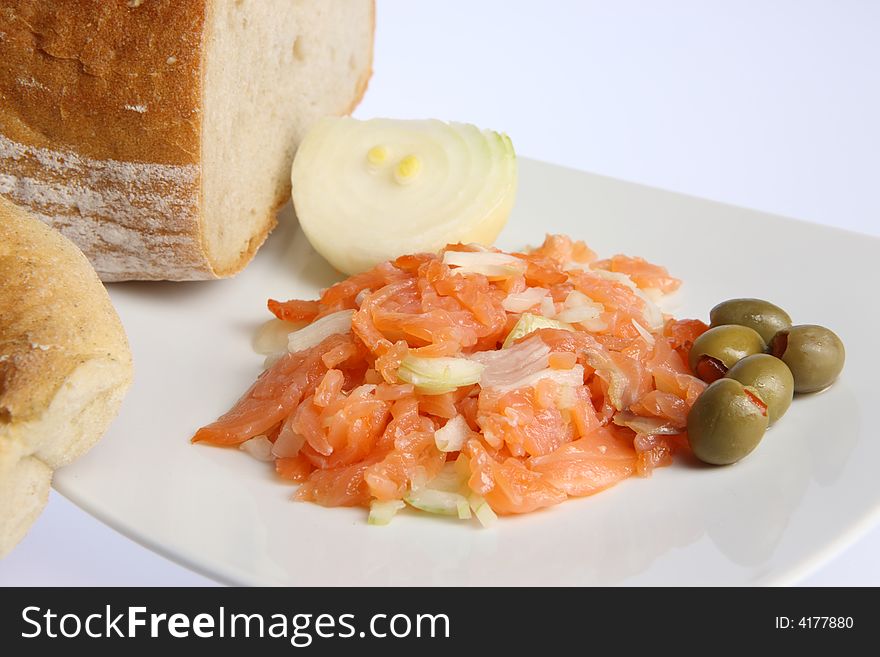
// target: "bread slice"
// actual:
[[65, 363], [24, 491], [158, 135]]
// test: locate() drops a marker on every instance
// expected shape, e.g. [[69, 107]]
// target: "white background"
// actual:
[[769, 104]]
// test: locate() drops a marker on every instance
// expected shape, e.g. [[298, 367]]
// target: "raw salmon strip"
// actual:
[[475, 380]]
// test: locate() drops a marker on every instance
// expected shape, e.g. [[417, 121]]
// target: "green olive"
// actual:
[[726, 422], [814, 354], [770, 377], [762, 316], [720, 348]]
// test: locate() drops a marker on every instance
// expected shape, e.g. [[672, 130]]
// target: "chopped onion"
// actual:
[[316, 332], [577, 299], [271, 337], [506, 365], [523, 365], [572, 377], [617, 381], [528, 323], [451, 478], [578, 308], [452, 435], [259, 447], [436, 501], [646, 335], [482, 510], [567, 396], [548, 308], [418, 477], [288, 443], [644, 425], [493, 265], [616, 276], [381, 512], [519, 302], [360, 296], [580, 314], [434, 376], [444, 494], [607, 370], [652, 314]]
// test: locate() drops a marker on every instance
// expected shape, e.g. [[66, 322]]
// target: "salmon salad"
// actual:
[[472, 383]]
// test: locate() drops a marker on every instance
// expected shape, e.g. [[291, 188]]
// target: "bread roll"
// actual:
[[64, 364], [158, 135]]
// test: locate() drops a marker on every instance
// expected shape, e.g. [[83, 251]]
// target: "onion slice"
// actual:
[[319, 330], [381, 512], [272, 336], [367, 191], [452, 435], [519, 302], [646, 335], [529, 323], [289, 442], [570, 378], [647, 426], [435, 376], [510, 365], [493, 265], [259, 447], [651, 312]]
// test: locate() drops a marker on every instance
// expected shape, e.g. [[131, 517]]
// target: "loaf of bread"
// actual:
[[158, 135], [64, 364]]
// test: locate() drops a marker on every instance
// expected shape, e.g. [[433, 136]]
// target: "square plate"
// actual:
[[807, 491]]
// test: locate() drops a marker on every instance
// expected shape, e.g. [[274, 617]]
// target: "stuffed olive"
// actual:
[[761, 316], [726, 422], [720, 348], [814, 354], [770, 377]]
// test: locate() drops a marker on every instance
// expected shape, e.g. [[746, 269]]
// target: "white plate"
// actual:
[[809, 489]]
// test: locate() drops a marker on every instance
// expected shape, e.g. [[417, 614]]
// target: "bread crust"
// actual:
[[64, 358], [56, 315], [104, 79], [100, 129]]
